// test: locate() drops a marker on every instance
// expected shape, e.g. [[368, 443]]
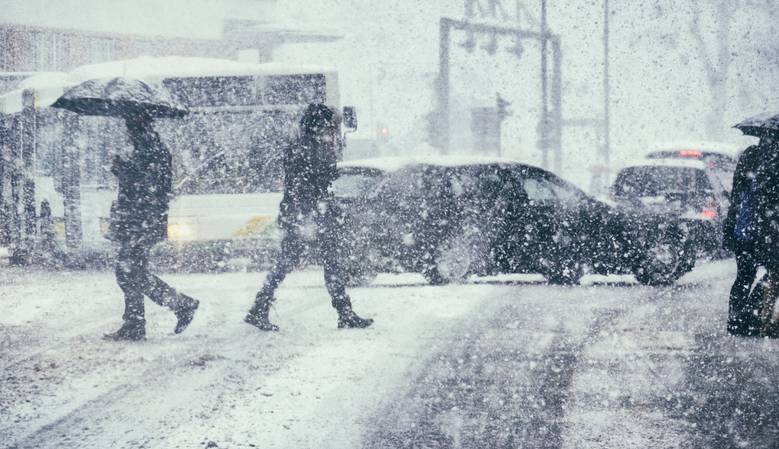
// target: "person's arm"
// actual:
[[740, 178]]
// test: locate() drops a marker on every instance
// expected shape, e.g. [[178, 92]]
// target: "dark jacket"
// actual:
[[140, 213], [767, 244], [309, 170], [746, 170]]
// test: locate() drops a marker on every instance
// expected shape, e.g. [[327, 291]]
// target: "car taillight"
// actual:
[[710, 210], [711, 214]]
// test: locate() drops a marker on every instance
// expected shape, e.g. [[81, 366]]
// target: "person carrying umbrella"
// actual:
[[139, 220], [309, 170], [139, 216], [749, 229], [742, 314]]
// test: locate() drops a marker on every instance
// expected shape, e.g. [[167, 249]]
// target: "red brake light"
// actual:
[[711, 214], [690, 153]]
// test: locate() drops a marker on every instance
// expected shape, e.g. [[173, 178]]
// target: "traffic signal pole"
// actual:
[[550, 123], [443, 86]]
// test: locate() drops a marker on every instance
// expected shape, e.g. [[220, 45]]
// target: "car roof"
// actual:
[[390, 164], [667, 162], [706, 147]]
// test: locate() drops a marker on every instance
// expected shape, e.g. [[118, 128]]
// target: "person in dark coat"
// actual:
[[307, 208], [750, 230], [139, 220], [742, 314]]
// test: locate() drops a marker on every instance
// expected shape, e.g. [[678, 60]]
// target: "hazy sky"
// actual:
[[659, 86], [388, 60]]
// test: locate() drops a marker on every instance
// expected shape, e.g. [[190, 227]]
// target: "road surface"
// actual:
[[497, 362]]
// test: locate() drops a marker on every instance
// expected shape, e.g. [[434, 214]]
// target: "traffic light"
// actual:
[[433, 129], [503, 107], [382, 133]]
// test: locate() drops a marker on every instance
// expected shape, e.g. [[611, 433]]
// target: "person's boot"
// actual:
[[258, 315], [347, 319], [131, 330], [185, 314]]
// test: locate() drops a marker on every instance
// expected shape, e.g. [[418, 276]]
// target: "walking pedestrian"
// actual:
[[739, 236], [139, 220], [308, 210], [767, 243]]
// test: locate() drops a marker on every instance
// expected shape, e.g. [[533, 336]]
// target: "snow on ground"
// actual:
[[616, 344], [219, 381]]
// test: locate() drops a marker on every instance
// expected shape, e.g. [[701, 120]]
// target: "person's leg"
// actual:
[[291, 249], [768, 326], [334, 254], [163, 294], [129, 276], [742, 314]]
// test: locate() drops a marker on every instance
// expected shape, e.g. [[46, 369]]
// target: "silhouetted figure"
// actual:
[[139, 220], [742, 314], [308, 209], [751, 230]]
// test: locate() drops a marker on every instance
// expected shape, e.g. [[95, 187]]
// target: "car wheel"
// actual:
[[565, 266], [362, 268], [566, 272], [453, 261], [360, 277], [668, 258]]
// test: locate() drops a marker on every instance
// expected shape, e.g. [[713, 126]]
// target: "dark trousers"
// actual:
[[332, 255], [133, 277], [743, 308]]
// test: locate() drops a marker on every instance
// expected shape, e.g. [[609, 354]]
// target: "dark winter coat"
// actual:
[[746, 170], [140, 213], [767, 244], [309, 170]]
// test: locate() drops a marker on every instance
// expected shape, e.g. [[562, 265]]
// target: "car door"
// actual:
[[536, 224], [584, 219]]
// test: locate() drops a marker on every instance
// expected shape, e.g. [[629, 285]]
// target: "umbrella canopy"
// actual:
[[760, 125], [120, 97]]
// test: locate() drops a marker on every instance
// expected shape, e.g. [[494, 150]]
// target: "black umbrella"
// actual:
[[120, 97], [760, 125]]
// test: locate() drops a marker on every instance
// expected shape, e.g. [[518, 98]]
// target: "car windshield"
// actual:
[[355, 183], [410, 187], [659, 181]]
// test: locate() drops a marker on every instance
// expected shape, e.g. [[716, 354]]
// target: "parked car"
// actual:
[[683, 189], [451, 217]]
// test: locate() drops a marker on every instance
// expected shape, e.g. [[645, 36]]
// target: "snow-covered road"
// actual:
[[501, 362]]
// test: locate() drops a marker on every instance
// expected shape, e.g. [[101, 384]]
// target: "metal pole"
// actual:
[[606, 93], [443, 85], [29, 132], [557, 106], [5, 191], [71, 182], [543, 130]]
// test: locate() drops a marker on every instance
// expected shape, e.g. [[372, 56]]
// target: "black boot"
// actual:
[[131, 330], [347, 319], [185, 315], [258, 315]]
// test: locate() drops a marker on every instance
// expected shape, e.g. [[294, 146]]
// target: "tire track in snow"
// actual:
[[492, 388]]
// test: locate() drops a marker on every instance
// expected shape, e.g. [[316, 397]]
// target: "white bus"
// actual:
[[227, 151]]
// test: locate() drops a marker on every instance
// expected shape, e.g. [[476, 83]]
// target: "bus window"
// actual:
[[294, 89]]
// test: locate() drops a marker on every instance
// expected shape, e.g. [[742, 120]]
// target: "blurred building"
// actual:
[[41, 36]]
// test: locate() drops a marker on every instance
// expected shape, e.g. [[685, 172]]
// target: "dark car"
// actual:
[[449, 218], [685, 190]]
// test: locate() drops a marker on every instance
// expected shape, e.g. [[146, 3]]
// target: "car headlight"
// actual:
[[181, 230]]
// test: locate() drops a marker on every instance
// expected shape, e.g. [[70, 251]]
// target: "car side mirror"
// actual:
[[350, 118]]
